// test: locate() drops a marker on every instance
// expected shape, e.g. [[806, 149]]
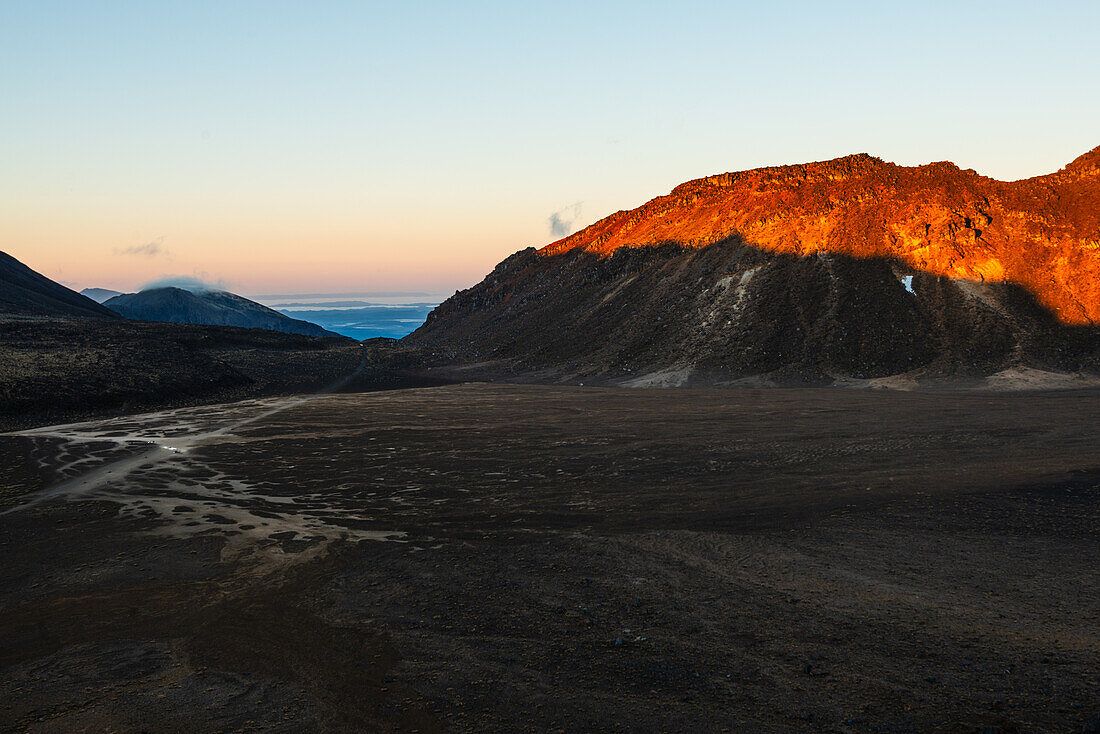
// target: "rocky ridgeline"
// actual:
[[1041, 233]]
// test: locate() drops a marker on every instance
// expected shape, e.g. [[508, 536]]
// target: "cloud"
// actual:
[[186, 282], [561, 222], [149, 249]]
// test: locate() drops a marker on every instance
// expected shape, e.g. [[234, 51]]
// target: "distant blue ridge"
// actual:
[[369, 322]]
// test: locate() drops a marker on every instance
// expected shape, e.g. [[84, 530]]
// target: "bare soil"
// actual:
[[515, 557]]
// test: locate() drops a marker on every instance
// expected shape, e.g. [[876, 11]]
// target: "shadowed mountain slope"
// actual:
[[24, 292], [672, 315], [211, 308]]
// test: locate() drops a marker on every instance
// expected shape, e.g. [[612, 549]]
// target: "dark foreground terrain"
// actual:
[[56, 369], [514, 558]]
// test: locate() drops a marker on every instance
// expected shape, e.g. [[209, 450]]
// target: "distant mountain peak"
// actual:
[[99, 295], [181, 305]]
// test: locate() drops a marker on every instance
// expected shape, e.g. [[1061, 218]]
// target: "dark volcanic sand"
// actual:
[[505, 557]]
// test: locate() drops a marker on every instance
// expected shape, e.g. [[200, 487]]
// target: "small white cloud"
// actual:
[[149, 249], [184, 282], [562, 221]]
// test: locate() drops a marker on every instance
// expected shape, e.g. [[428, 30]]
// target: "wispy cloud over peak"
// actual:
[[185, 282]]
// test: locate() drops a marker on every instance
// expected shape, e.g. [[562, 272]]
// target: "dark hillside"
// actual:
[[27, 293]]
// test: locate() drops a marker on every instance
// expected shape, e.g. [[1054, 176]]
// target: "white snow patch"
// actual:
[[907, 281]]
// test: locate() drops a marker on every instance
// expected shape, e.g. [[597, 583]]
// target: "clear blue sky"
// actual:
[[304, 146]]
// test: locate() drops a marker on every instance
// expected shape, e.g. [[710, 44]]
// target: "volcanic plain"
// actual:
[[491, 557]]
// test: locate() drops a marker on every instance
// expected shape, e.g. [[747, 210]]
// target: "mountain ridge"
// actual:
[[210, 308], [1042, 233], [99, 295]]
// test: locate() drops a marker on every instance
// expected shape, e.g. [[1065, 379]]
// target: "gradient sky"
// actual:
[[315, 146]]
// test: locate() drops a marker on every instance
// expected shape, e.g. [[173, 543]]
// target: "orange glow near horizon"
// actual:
[[278, 255]]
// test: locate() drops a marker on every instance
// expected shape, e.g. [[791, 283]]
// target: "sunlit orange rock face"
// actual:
[[1042, 233]]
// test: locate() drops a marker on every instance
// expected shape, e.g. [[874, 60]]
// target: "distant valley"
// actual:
[[357, 315], [368, 317]]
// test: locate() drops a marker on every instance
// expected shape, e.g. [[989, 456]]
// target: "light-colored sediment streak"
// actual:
[[151, 483], [166, 434], [94, 479]]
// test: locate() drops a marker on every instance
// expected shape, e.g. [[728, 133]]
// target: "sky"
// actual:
[[303, 147]]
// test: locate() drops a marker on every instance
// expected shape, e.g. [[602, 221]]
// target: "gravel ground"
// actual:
[[521, 558]]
